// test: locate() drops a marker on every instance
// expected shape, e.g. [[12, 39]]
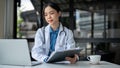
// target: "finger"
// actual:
[[76, 55], [68, 58], [72, 60]]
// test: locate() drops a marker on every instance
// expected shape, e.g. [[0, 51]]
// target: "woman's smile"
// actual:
[[50, 21]]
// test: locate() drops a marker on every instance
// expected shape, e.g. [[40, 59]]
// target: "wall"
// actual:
[[6, 18], [2, 12]]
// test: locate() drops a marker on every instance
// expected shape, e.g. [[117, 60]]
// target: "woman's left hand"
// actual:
[[72, 60]]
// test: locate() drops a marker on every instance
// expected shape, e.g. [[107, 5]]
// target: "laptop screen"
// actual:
[[14, 52]]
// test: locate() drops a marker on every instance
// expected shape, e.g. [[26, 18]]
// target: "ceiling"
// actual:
[[79, 4]]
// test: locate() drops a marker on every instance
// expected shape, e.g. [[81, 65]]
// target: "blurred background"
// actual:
[[95, 23]]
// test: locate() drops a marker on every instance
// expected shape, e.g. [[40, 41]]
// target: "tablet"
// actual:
[[57, 56]]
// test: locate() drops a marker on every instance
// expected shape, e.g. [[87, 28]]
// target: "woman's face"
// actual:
[[51, 15]]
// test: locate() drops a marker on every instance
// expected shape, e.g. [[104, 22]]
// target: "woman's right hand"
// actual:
[[72, 60]]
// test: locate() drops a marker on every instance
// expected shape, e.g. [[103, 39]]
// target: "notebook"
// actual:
[[57, 56], [15, 52]]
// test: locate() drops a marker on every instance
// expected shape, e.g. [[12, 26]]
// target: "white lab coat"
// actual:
[[63, 42]]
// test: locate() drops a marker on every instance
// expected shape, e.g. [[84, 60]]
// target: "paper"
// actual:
[[63, 62]]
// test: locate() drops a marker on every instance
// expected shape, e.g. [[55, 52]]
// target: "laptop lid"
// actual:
[[14, 52]]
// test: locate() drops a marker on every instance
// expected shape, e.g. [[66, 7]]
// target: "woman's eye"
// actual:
[[51, 13], [45, 14]]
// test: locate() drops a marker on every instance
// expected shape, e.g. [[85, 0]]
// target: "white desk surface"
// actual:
[[80, 64]]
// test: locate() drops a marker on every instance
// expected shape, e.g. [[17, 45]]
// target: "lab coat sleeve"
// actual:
[[70, 40], [38, 52]]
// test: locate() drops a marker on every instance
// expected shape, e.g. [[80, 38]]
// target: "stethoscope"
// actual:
[[63, 31]]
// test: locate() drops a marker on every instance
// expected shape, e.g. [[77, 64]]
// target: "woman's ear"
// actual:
[[60, 14]]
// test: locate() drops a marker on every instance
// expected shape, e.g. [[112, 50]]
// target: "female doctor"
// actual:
[[53, 37]]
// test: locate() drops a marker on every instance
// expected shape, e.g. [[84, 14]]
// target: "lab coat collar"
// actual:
[[60, 28]]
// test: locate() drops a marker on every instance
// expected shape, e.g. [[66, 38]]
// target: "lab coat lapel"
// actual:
[[47, 37], [58, 40]]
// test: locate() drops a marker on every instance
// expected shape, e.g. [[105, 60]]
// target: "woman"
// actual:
[[53, 37]]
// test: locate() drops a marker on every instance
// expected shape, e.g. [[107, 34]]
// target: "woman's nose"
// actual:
[[49, 16]]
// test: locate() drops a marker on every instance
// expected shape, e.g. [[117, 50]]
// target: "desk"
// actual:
[[80, 64]]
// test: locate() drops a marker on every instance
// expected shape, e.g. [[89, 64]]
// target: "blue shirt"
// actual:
[[53, 37]]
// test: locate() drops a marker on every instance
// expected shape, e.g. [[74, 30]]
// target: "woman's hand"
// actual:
[[72, 60]]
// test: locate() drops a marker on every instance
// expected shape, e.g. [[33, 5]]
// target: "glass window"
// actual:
[[113, 13], [83, 24], [26, 20]]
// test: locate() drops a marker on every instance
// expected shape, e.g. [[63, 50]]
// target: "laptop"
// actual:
[[15, 52]]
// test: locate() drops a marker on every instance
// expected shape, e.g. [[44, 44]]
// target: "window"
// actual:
[[26, 20]]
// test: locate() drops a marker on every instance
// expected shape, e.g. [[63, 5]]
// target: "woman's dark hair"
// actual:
[[52, 5]]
